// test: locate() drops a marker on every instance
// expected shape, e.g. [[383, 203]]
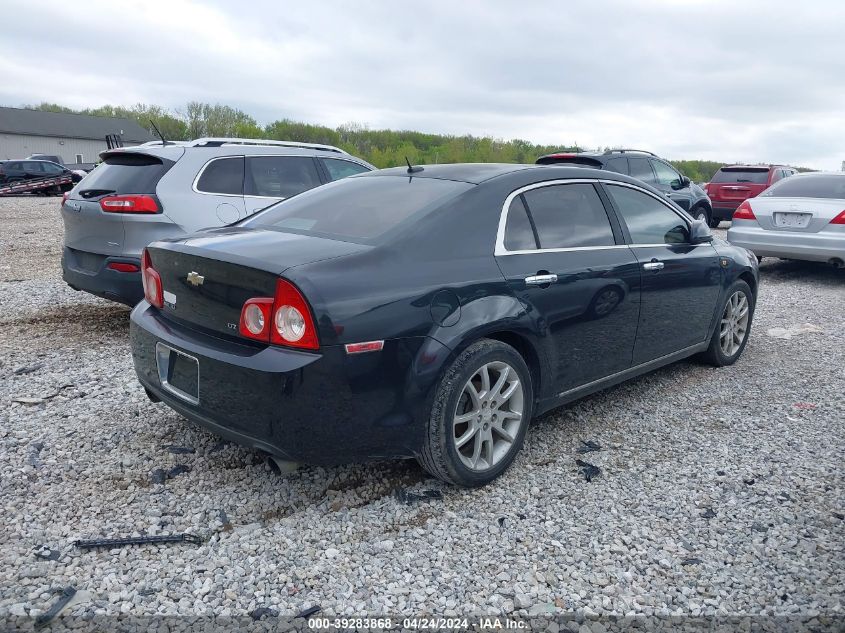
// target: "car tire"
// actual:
[[701, 213], [714, 223], [724, 347], [477, 449]]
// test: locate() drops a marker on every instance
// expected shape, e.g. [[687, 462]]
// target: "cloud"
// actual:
[[687, 79]]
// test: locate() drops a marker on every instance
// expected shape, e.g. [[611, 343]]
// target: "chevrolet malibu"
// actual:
[[802, 217], [431, 312]]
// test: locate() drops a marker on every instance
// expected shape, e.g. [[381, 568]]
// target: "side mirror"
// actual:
[[700, 233]]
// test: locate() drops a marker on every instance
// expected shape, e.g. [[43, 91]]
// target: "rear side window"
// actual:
[[223, 175], [519, 234], [358, 209], [568, 216], [754, 176], [280, 176], [342, 168], [126, 173], [649, 221], [619, 165], [822, 186], [641, 170]]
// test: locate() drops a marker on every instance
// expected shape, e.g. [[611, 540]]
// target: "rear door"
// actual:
[[563, 258], [269, 179], [681, 282]]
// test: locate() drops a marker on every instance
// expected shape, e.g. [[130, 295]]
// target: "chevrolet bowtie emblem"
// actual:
[[195, 278]]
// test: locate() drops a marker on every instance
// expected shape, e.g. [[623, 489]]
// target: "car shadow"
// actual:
[[786, 270]]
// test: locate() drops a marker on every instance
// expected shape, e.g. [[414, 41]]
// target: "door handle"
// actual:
[[540, 280], [655, 265]]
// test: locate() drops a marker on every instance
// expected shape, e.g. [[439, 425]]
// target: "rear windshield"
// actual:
[[358, 208], [827, 186], [754, 176], [125, 173]]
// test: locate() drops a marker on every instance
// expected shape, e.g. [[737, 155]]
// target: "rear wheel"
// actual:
[[480, 414], [733, 327]]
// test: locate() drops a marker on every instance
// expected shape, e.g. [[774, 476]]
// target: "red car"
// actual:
[[734, 183]]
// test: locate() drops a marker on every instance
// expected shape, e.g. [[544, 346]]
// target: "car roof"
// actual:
[[174, 151], [759, 167]]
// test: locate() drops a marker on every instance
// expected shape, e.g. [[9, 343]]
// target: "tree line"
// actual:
[[382, 148]]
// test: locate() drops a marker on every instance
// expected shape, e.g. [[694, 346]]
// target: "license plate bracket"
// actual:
[[178, 372], [785, 220]]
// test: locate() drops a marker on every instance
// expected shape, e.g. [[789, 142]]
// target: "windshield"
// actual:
[[125, 173], [357, 208], [821, 186], [756, 176]]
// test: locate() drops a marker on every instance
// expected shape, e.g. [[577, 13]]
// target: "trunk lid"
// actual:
[[207, 278], [797, 215]]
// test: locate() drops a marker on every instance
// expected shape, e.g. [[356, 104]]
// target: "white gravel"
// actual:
[[721, 491]]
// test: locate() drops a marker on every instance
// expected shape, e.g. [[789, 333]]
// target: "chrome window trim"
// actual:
[[202, 171], [500, 249]]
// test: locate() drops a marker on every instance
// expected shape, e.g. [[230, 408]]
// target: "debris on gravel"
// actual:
[[667, 529]]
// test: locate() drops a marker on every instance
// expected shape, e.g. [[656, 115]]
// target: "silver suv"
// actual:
[[163, 190]]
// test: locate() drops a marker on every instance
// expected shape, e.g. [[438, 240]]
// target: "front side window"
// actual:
[[50, 168], [342, 168], [223, 175], [33, 166], [519, 234], [641, 170], [649, 221], [569, 216], [280, 176], [665, 175]]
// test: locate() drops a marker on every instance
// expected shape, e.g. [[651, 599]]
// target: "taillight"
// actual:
[[255, 319], [282, 320], [152, 281], [129, 204], [744, 212], [839, 219], [123, 267]]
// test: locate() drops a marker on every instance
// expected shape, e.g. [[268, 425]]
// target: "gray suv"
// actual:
[[163, 190]]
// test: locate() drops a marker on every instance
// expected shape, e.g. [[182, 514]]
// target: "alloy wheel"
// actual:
[[488, 416], [734, 325]]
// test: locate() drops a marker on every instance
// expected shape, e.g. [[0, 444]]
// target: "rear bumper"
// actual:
[[725, 210], [90, 272], [823, 246], [320, 408]]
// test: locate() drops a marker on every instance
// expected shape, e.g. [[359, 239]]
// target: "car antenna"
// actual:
[[411, 168], [160, 135]]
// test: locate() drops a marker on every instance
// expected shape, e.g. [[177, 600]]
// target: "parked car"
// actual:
[[646, 167], [734, 183], [22, 170], [141, 194], [799, 218], [80, 169], [431, 312]]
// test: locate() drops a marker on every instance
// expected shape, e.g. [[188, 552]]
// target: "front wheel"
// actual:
[[479, 416], [701, 213], [733, 327]]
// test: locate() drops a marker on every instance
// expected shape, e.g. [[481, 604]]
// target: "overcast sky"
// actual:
[[723, 80]]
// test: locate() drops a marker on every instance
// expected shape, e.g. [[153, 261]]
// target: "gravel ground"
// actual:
[[721, 491]]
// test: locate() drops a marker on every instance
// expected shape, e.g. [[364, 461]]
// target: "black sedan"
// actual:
[[431, 312]]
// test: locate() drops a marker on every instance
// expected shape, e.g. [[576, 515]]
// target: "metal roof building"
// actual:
[[76, 138]]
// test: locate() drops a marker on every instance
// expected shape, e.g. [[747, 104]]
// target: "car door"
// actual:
[[670, 182], [269, 179], [564, 258], [681, 281], [221, 181], [32, 170]]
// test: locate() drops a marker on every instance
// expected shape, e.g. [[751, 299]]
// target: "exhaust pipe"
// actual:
[[836, 262], [281, 466]]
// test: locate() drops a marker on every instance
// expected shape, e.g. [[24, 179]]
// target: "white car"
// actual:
[[801, 217]]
